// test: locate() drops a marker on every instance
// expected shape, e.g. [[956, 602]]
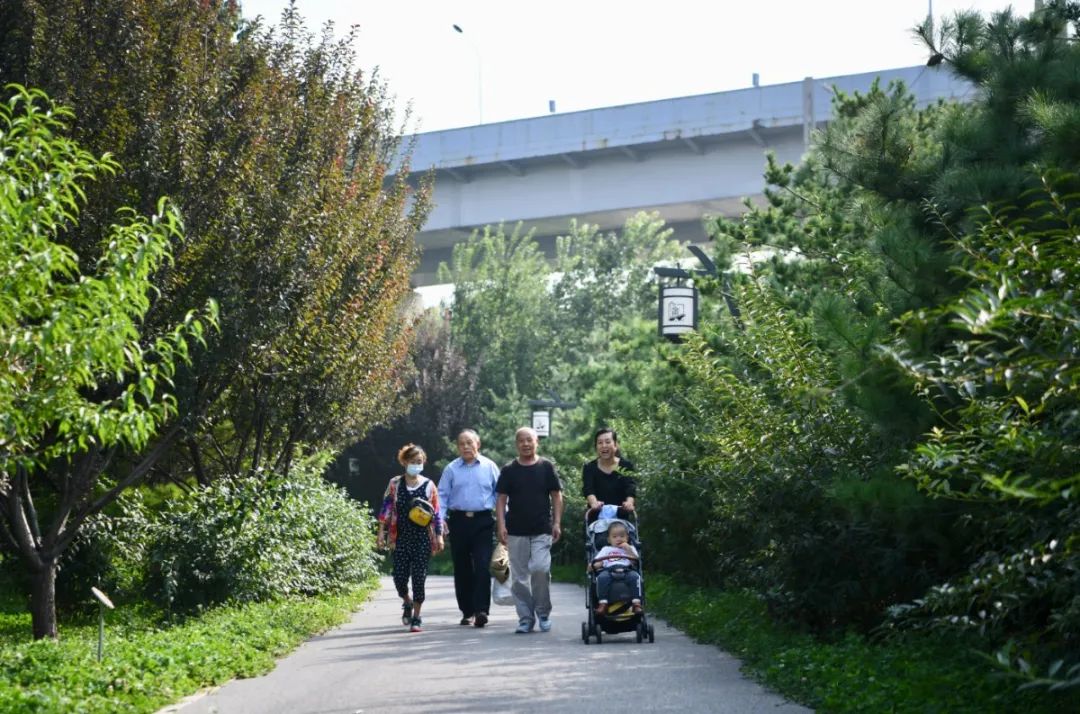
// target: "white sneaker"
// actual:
[[524, 627], [545, 624]]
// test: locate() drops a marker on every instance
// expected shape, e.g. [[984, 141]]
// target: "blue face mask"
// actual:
[[414, 469]]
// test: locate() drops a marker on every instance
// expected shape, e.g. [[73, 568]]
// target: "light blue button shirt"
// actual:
[[468, 486]]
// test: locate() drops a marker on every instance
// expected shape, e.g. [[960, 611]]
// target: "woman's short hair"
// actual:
[[605, 430], [409, 452], [614, 437]]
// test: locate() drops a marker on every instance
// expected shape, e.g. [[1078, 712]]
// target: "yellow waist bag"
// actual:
[[421, 512]]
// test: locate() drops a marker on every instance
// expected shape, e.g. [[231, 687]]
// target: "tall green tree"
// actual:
[[499, 313], [529, 325], [79, 382], [278, 153], [442, 399]]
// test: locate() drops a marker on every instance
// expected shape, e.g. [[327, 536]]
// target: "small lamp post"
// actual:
[[541, 412], [103, 602]]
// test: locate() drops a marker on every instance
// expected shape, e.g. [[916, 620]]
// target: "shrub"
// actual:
[[914, 672], [109, 553], [250, 539], [1008, 385]]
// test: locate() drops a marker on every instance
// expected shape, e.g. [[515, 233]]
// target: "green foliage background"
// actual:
[[886, 439], [883, 444]]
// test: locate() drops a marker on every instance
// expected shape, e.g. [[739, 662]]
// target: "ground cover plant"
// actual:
[[151, 661], [849, 672]]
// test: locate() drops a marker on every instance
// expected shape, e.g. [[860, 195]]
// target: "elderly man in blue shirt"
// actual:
[[467, 493]]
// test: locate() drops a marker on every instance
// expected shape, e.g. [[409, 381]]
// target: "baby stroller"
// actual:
[[619, 615]]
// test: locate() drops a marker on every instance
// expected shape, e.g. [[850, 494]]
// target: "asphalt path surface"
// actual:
[[373, 665]]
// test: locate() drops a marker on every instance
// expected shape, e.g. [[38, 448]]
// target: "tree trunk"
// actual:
[[43, 600], [197, 463]]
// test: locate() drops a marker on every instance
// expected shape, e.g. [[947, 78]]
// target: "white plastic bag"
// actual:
[[500, 593]]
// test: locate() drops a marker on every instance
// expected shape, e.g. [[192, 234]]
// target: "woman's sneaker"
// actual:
[[406, 614], [415, 626]]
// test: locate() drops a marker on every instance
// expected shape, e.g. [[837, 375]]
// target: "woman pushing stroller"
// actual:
[[605, 481]]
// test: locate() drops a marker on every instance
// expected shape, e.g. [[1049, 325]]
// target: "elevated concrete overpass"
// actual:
[[685, 158]]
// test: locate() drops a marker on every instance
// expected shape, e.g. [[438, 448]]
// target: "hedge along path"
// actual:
[[373, 664]]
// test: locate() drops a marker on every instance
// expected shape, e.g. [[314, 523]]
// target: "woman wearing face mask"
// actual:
[[407, 499]]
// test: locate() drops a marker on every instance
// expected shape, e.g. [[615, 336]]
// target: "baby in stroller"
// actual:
[[618, 560], [615, 597]]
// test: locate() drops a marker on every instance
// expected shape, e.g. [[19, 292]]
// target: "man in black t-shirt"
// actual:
[[531, 487]]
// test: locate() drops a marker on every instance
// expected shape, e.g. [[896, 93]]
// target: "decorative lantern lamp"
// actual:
[[542, 411], [678, 311], [541, 422]]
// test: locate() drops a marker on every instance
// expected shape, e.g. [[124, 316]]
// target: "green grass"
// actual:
[[914, 673], [149, 663]]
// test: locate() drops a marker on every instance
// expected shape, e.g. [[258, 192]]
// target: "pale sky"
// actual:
[[515, 56]]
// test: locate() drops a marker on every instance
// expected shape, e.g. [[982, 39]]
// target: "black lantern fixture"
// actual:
[[679, 302], [678, 314], [542, 410]]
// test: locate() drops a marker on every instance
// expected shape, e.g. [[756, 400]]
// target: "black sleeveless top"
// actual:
[[613, 488]]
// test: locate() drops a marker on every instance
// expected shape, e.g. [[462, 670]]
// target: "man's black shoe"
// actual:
[[481, 619], [466, 621]]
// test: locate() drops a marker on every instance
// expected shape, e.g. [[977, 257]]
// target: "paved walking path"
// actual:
[[374, 665]]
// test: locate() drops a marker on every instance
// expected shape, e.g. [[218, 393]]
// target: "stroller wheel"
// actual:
[[598, 638], [585, 633], [637, 632], [652, 634]]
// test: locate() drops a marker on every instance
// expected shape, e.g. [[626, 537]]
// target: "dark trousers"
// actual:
[[471, 544]]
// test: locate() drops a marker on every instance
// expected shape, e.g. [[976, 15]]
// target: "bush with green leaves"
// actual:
[[255, 538], [760, 468], [1008, 388], [109, 553]]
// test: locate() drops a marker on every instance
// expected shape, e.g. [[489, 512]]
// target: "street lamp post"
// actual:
[[542, 410], [479, 74]]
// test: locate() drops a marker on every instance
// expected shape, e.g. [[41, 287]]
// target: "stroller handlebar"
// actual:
[[614, 557]]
